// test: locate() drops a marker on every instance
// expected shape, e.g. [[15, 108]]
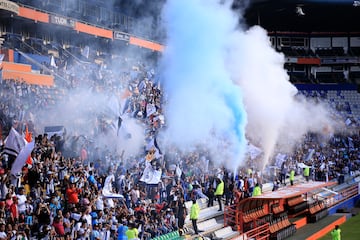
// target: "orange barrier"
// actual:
[[327, 229], [295, 201], [29, 77], [16, 67], [33, 14], [315, 61], [146, 44], [300, 223], [259, 233], [96, 31]]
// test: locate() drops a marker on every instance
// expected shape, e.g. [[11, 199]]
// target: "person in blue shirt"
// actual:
[[121, 232]]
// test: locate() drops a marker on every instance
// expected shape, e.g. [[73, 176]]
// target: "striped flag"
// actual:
[[14, 142]]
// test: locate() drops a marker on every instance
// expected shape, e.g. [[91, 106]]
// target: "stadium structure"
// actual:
[[321, 44]]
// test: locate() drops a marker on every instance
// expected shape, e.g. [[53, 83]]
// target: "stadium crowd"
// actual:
[[61, 197]]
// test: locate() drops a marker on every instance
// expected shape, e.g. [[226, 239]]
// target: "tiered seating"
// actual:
[[317, 211], [298, 77], [169, 236], [254, 214], [225, 233], [256, 217], [354, 76], [277, 210], [297, 51], [296, 205], [210, 225], [205, 212], [328, 52], [281, 228], [330, 77], [355, 51]]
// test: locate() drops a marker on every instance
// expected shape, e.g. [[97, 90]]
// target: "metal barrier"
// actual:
[[259, 233], [232, 217], [341, 196]]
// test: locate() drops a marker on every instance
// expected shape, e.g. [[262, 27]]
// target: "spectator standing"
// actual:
[[121, 232], [336, 233], [307, 173], [182, 212], [211, 196], [257, 190], [219, 192], [194, 215], [292, 176], [132, 232]]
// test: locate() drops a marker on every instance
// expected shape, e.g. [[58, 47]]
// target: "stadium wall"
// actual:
[[347, 205]]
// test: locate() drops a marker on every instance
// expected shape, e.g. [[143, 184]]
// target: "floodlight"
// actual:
[[299, 11]]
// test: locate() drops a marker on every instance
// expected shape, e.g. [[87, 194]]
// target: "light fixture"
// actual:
[[299, 11], [356, 4]]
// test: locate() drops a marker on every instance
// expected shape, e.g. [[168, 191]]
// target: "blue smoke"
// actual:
[[203, 105]]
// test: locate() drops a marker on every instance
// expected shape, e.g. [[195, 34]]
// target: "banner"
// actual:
[[9, 6], [63, 21], [121, 36], [20, 161]]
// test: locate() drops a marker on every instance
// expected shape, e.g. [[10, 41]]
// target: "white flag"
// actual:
[[14, 143], [150, 175], [22, 157], [52, 62]]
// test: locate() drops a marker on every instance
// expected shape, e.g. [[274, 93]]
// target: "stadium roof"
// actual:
[[319, 15]]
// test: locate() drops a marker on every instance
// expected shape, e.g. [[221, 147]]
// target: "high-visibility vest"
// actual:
[[292, 175], [219, 189], [257, 191], [306, 171]]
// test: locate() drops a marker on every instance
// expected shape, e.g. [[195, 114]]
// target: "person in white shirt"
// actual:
[[21, 200]]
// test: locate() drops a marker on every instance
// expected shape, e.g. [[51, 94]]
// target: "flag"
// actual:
[[107, 189], [150, 175], [150, 109], [351, 143], [14, 142], [157, 146], [348, 122], [119, 125], [85, 51], [52, 62], [22, 157], [178, 171], [1, 58]]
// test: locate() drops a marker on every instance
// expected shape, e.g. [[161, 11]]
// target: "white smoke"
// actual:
[[207, 54], [275, 117], [204, 105]]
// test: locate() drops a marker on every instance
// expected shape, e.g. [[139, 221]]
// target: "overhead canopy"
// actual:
[[296, 190]]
